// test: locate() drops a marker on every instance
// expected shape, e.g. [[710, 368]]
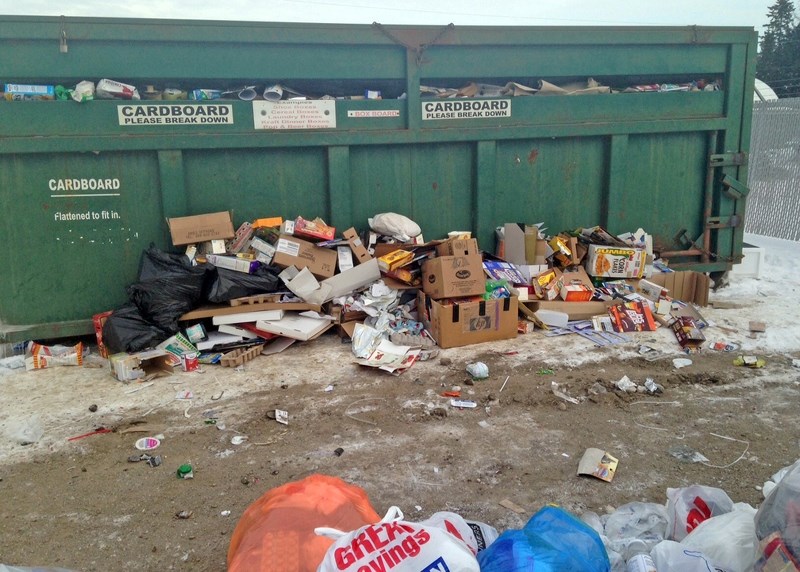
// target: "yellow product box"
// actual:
[[615, 261], [394, 260]]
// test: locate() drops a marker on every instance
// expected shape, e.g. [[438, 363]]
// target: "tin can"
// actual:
[[189, 361]]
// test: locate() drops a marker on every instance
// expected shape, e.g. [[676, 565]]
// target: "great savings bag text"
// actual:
[[399, 546]]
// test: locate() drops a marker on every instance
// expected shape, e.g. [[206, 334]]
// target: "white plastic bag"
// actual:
[[397, 545], [687, 507], [395, 225], [728, 539], [645, 521], [671, 556]]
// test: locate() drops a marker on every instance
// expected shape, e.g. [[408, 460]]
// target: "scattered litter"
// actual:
[[681, 362], [561, 395], [225, 513], [93, 408], [650, 353], [653, 387], [282, 416], [485, 424], [463, 403], [139, 387], [626, 385], [598, 463], [512, 506], [502, 387], [739, 458], [597, 389], [329, 388], [184, 514], [98, 431], [796, 363], [724, 347], [749, 361], [545, 371], [238, 439], [147, 443], [338, 451], [687, 454], [185, 472], [351, 416], [184, 394], [478, 370], [757, 327]]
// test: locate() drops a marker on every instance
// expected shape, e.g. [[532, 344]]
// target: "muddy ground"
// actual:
[[82, 505]]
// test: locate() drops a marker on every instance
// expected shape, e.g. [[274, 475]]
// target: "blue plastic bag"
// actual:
[[552, 541]]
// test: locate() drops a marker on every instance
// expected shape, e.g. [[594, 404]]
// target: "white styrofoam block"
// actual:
[[752, 263]]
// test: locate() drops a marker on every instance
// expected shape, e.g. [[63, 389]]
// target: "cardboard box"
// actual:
[[686, 285], [522, 245], [615, 261], [130, 367], [211, 311], [314, 229], [292, 251], [576, 286], [504, 271], [395, 259], [233, 263], [454, 325], [270, 222], [458, 247], [201, 228], [358, 248], [453, 276]]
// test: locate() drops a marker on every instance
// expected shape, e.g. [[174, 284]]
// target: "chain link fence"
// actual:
[[773, 205]]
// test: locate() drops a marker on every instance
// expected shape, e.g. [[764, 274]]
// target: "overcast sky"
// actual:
[[750, 13]]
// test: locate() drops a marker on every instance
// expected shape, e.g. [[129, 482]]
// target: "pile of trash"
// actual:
[[331, 526], [105, 88], [233, 295]]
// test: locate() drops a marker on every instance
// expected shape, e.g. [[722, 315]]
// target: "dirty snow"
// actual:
[[55, 403]]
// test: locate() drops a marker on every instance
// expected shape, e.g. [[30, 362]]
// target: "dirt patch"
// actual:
[[84, 506]]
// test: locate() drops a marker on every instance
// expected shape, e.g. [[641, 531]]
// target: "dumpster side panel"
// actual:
[[258, 182], [431, 184], [560, 182], [74, 226]]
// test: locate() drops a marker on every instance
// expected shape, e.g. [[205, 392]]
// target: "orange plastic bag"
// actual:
[[276, 532]]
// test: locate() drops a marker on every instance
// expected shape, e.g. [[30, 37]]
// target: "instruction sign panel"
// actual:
[[294, 114], [175, 114], [466, 109]]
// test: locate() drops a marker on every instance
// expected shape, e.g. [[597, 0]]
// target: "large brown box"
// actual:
[[454, 325], [291, 251], [453, 276]]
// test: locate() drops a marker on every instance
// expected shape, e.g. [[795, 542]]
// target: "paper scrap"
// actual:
[[512, 506], [598, 463]]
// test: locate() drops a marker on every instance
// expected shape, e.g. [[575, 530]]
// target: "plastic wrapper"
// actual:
[[83, 91], [168, 287], [552, 541], [126, 330], [671, 556], [636, 520], [225, 285], [777, 521]]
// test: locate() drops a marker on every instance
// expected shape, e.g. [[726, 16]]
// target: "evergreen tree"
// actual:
[[779, 59]]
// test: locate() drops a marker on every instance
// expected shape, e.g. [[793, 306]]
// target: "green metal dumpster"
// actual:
[[84, 188]]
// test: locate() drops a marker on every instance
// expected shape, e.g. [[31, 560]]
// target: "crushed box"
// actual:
[[201, 228], [290, 251], [453, 276], [356, 245], [453, 324], [130, 367], [685, 285]]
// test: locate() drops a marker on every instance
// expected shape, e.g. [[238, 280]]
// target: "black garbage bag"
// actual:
[[226, 285], [126, 330], [168, 287]]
